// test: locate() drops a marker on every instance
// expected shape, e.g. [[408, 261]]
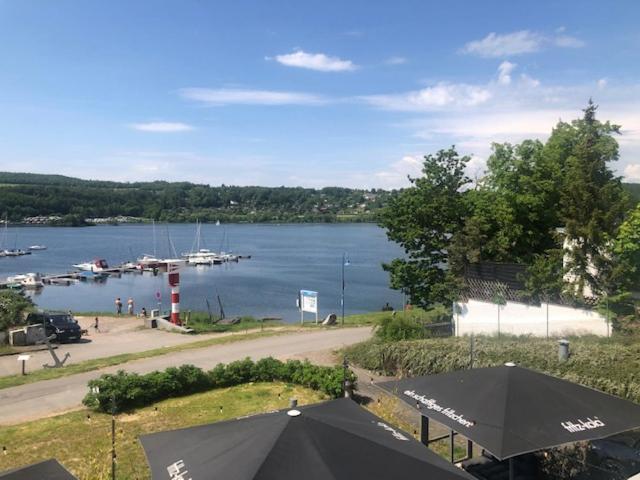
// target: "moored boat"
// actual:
[[27, 280], [98, 265]]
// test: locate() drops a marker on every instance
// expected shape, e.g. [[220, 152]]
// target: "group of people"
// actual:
[[130, 311], [130, 306]]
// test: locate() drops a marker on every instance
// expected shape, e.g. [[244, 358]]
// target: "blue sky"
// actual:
[[308, 93]]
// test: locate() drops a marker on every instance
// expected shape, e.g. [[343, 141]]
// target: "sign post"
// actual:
[[23, 359], [308, 303]]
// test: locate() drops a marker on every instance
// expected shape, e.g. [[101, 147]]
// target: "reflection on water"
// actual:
[[285, 259]]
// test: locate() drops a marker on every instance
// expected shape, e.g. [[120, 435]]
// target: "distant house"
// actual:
[[494, 302]]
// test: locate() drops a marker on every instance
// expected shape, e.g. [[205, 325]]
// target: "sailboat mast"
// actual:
[[153, 222]]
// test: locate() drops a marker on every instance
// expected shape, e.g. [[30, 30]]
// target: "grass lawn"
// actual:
[[6, 350], [386, 408], [201, 323], [83, 445], [98, 363], [373, 318]]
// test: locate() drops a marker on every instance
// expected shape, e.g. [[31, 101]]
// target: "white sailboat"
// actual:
[[147, 260], [198, 255]]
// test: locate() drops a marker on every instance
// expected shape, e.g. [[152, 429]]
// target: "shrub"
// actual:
[[413, 324], [124, 391], [13, 306], [610, 365]]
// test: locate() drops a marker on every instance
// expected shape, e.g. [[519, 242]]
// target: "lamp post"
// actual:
[[345, 263], [345, 369]]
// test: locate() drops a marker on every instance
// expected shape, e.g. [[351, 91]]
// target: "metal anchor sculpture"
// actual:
[[57, 362]]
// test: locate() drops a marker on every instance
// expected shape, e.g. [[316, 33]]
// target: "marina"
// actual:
[[283, 260]]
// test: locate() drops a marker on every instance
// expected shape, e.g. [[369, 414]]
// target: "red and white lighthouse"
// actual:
[[173, 271]]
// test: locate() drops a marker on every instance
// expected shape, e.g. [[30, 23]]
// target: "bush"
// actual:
[[413, 324], [124, 391], [399, 327], [13, 306], [610, 365]]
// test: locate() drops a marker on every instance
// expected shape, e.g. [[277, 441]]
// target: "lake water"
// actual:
[[285, 259]]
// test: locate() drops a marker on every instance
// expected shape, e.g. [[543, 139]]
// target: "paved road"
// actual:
[[117, 335], [41, 399]]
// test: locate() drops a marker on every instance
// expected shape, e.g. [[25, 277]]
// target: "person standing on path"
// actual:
[[130, 306], [95, 325], [118, 306]]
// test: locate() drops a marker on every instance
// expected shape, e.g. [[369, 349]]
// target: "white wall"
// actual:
[[475, 316]]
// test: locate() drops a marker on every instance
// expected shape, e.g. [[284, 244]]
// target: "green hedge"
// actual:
[[124, 391], [609, 365]]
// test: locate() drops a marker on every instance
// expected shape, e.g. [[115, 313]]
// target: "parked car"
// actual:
[[60, 324], [615, 458]]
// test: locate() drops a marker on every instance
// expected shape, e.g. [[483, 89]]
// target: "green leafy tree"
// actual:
[[526, 189], [544, 278], [13, 306], [423, 219], [626, 250]]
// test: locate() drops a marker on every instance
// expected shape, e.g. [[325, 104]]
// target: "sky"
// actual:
[[303, 93]]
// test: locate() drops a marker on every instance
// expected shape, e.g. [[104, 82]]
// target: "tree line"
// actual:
[[554, 206], [27, 195]]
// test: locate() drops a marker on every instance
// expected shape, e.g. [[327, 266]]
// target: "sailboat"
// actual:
[[224, 255], [11, 252], [198, 255], [150, 261]]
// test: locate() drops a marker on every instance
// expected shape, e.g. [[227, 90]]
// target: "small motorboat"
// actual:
[[98, 265], [28, 280], [148, 262], [37, 247], [16, 252]]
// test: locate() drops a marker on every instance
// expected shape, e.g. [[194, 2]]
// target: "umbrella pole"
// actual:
[[451, 446], [424, 430], [511, 469]]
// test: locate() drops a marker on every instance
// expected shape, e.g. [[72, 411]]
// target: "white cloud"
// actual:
[[602, 83], [229, 96], [440, 96], [567, 41], [396, 175], [632, 172], [528, 81], [161, 127], [518, 43], [504, 72], [396, 60], [315, 61], [508, 44]]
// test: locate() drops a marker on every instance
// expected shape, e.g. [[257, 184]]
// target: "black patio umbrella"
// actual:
[[510, 410], [49, 469], [332, 440]]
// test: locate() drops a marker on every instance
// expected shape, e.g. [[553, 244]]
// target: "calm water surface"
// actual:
[[285, 259]]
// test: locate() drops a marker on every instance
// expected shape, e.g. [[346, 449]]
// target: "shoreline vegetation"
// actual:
[[56, 200]]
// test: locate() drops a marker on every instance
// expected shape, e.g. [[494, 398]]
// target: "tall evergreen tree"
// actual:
[[593, 203]]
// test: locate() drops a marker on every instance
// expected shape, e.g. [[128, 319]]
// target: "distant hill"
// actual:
[[634, 190], [25, 195]]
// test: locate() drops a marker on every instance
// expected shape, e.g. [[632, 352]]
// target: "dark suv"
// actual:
[[60, 324]]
